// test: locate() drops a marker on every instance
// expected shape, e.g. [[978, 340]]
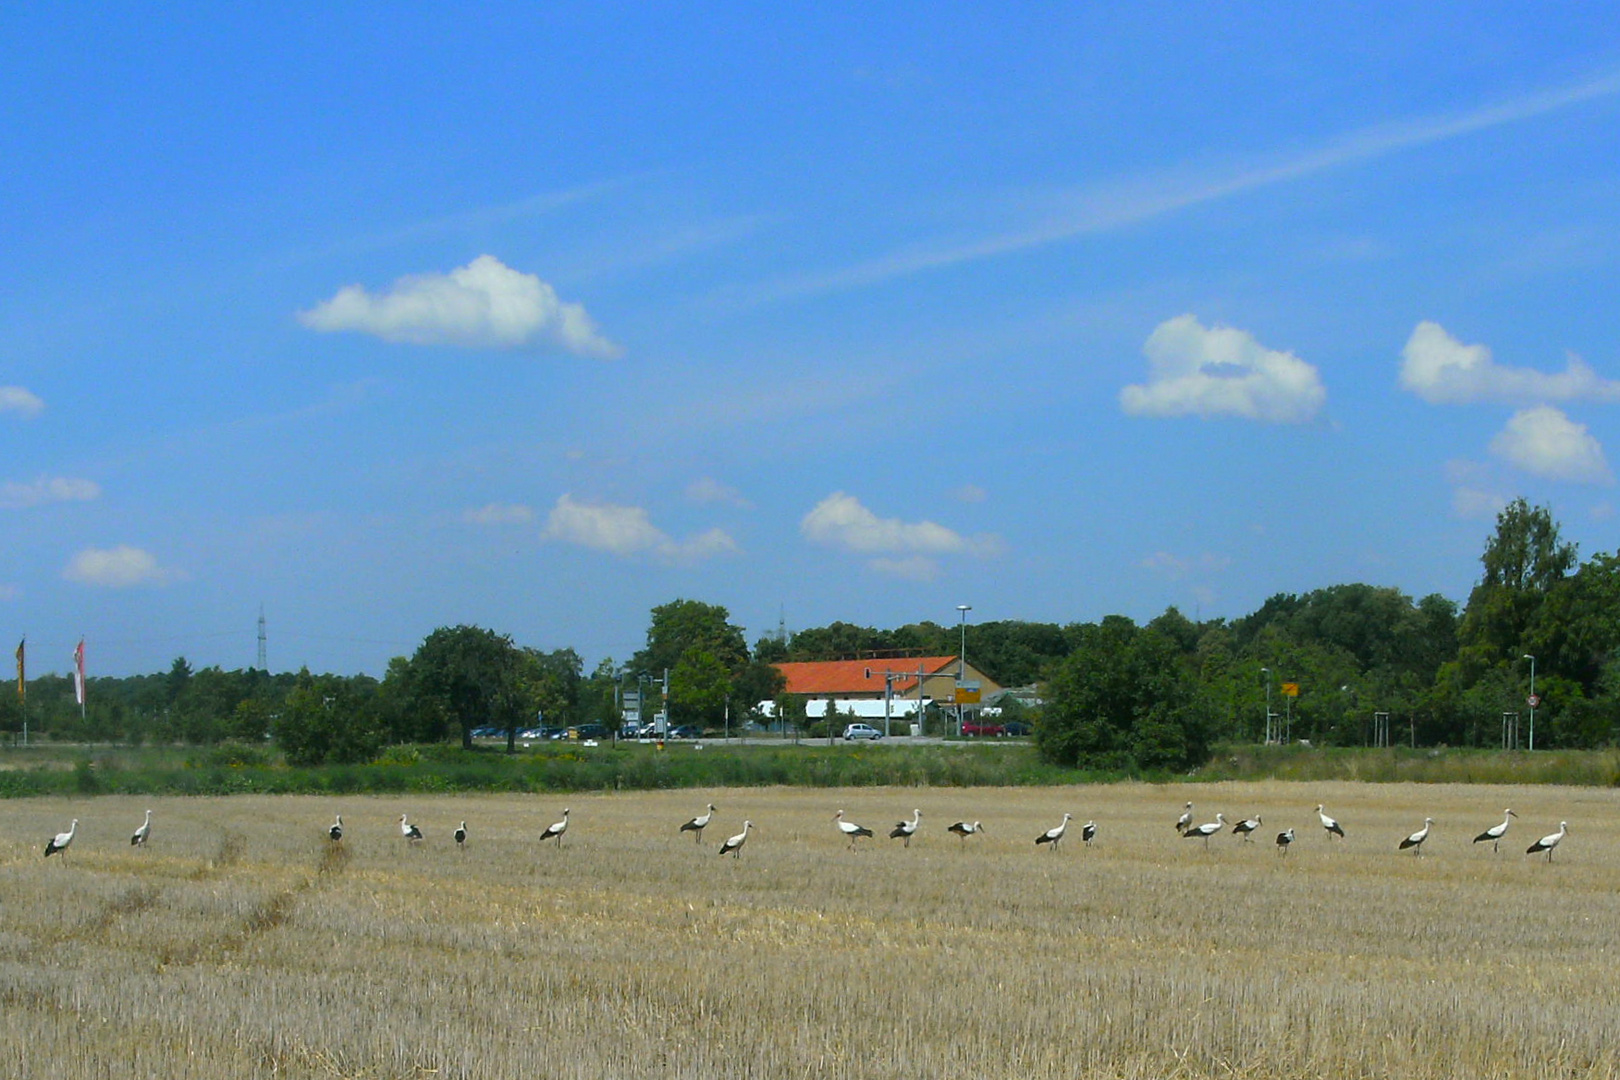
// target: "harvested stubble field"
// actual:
[[241, 943]]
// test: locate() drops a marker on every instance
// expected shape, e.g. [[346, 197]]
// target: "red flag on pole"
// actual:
[[22, 674], [78, 673]]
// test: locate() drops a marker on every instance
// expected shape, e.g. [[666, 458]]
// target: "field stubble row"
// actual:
[[239, 943]]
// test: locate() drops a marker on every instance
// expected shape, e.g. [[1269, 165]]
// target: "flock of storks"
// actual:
[[905, 830]]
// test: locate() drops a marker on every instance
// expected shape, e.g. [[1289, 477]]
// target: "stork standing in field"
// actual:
[[1546, 843], [556, 829], [1184, 822], [1054, 836], [1415, 841], [1329, 824], [906, 828], [733, 845], [699, 823], [1088, 832], [61, 840], [1284, 838], [461, 836], [336, 831], [1206, 830], [1495, 833], [409, 831], [965, 829], [850, 829], [138, 838], [1246, 827]]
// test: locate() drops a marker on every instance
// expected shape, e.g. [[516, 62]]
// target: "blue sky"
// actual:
[[538, 316]]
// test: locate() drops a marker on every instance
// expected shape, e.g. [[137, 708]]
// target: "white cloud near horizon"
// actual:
[[499, 514], [707, 489], [1179, 566], [17, 399], [119, 567], [485, 304], [1443, 371], [627, 531], [1544, 442], [1477, 504], [900, 548], [47, 489], [1222, 371]]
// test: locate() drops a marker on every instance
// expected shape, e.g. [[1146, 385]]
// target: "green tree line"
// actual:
[[1114, 694]]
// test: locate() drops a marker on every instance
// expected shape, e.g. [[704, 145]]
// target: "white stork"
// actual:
[[906, 828], [733, 845], [336, 831], [850, 829], [1184, 822], [1495, 833], [461, 836], [138, 838], [61, 840], [1329, 824], [1546, 843], [699, 823], [1088, 832], [1415, 841], [556, 829], [1206, 830], [1054, 836], [1244, 828], [1285, 838], [409, 831], [965, 829]]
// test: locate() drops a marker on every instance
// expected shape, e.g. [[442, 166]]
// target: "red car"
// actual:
[[980, 727]]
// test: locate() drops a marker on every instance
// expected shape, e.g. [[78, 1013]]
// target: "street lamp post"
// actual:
[[961, 663], [1533, 701]]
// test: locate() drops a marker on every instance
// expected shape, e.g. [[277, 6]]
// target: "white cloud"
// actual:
[[627, 531], [1222, 372], [117, 568], [485, 304], [841, 521], [1179, 566], [1544, 442], [499, 514], [709, 490], [914, 568], [18, 400], [1443, 371], [969, 493], [1477, 504], [47, 489]]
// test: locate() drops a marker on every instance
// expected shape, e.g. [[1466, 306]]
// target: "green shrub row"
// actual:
[[228, 770]]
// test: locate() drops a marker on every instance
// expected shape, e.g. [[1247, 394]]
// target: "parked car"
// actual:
[[1017, 729], [686, 731], [861, 731], [587, 731], [981, 727]]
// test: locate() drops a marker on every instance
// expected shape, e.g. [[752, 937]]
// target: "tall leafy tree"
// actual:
[[469, 677], [683, 626], [1123, 699]]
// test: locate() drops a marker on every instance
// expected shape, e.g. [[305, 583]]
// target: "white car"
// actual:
[[862, 731]]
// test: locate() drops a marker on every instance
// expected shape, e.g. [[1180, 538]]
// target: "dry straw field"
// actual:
[[241, 943]]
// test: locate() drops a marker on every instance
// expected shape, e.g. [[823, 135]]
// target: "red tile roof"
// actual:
[[857, 676]]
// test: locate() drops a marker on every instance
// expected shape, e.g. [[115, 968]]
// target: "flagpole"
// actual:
[[22, 684], [78, 679]]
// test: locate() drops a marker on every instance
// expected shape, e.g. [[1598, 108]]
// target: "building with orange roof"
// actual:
[[858, 687]]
